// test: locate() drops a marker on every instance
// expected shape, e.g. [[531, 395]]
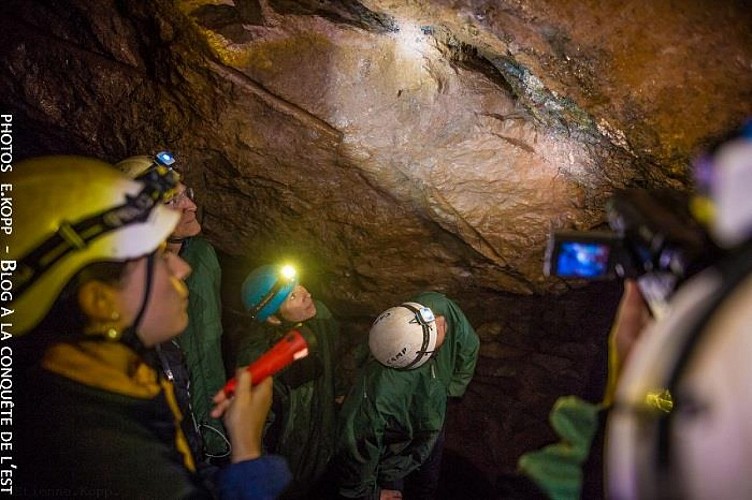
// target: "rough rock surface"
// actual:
[[389, 147]]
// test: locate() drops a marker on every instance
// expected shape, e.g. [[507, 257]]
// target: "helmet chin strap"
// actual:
[[130, 336], [176, 240]]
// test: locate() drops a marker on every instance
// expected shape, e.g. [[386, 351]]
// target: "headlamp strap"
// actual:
[[163, 180], [161, 175], [278, 284], [71, 237], [426, 335]]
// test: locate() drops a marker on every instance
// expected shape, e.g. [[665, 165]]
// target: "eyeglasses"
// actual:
[[180, 197]]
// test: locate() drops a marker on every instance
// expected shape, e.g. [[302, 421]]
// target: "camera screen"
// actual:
[[583, 259]]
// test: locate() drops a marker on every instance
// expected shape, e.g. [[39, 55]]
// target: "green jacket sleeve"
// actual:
[[557, 468], [465, 360]]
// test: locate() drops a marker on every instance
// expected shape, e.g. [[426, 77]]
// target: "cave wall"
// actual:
[[390, 147]]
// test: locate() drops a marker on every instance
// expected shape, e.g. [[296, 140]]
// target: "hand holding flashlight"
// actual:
[[290, 348]]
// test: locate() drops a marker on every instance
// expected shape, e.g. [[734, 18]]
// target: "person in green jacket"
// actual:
[[302, 421], [198, 349], [391, 426]]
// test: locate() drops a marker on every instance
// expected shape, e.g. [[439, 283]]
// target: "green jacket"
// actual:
[[202, 340], [391, 418], [303, 418]]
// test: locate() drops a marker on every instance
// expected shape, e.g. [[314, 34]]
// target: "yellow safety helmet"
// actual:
[[157, 169], [134, 166], [69, 212]]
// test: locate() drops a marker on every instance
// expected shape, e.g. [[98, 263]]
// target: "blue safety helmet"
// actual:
[[266, 288]]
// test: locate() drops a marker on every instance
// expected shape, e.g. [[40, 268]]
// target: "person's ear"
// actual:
[[274, 320], [98, 301], [441, 322], [441, 330]]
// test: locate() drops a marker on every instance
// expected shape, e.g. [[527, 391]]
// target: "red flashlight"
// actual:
[[290, 348]]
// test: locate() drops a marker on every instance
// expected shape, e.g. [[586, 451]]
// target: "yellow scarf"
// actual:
[[115, 368]]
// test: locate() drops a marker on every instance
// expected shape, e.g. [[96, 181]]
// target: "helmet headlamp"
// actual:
[[164, 158], [161, 179], [287, 273], [163, 183], [425, 315]]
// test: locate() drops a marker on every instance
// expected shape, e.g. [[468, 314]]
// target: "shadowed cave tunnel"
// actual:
[[393, 147]]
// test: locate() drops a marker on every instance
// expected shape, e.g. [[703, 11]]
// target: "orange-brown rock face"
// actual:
[[390, 147]]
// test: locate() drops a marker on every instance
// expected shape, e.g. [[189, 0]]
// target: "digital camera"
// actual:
[[650, 232], [653, 239]]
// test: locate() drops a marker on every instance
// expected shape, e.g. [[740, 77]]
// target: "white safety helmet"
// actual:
[[70, 212], [404, 337], [681, 426]]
